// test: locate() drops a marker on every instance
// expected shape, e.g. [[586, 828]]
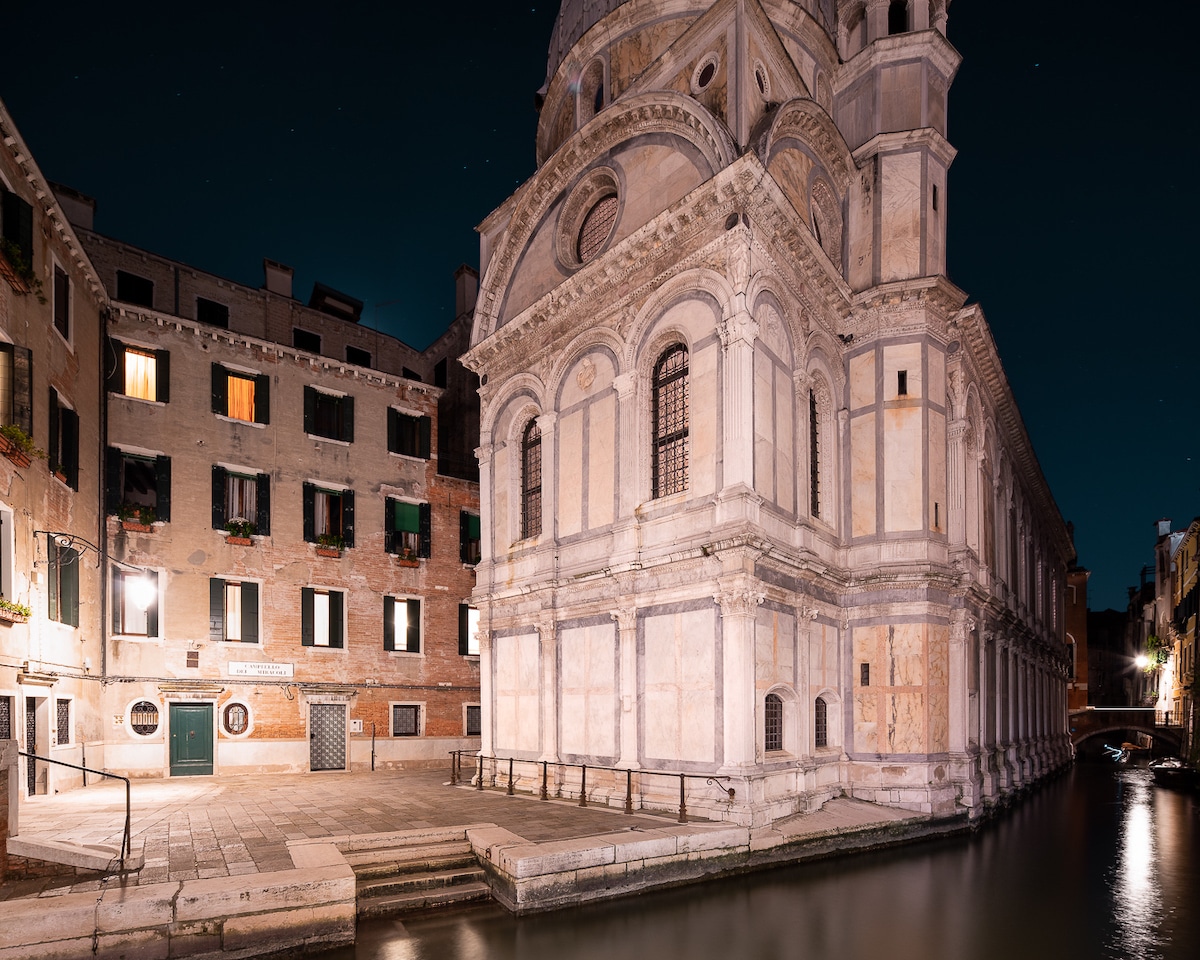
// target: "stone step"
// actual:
[[415, 882], [390, 868], [421, 901], [404, 853]]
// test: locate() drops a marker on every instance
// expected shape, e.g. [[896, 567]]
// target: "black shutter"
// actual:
[[52, 449], [162, 485], [69, 601], [18, 224], [216, 609], [463, 626], [118, 608], [62, 303], [413, 640], [310, 410], [393, 431], [347, 411], [220, 390], [307, 596], [262, 505], [70, 445], [389, 525], [389, 623], [218, 497], [425, 425], [114, 487], [114, 379], [348, 518], [53, 564], [23, 388], [249, 612], [426, 531], [152, 610], [262, 398], [310, 523], [463, 534], [162, 363], [335, 618]]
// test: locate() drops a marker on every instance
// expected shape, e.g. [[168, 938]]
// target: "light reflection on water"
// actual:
[[1099, 865]]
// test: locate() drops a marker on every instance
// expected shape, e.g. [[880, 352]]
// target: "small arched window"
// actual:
[[670, 414], [897, 17], [531, 480], [821, 723], [773, 723]]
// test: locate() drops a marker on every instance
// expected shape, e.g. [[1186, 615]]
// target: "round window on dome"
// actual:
[[143, 718], [596, 227], [705, 72]]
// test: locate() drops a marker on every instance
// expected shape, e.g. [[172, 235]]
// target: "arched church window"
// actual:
[[596, 227], [898, 17], [821, 722], [670, 416], [531, 480], [814, 455], [773, 723]]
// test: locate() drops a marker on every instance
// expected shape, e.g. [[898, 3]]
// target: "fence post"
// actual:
[[544, 794], [583, 786], [510, 787], [479, 771], [453, 768], [682, 799], [629, 791]]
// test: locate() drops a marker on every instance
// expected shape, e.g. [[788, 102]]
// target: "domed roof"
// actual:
[[575, 18]]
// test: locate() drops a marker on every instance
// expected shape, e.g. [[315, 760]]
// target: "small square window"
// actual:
[[405, 720], [306, 341], [409, 436], [213, 313], [360, 358], [474, 720], [328, 415], [134, 289], [241, 396]]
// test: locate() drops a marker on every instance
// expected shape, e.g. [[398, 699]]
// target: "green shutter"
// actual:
[[307, 595], [408, 516], [249, 612], [336, 607], [69, 600], [216, 609], [23, 388], [53, 565]]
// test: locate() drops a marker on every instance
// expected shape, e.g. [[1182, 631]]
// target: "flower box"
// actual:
[[240, 541], [19, 457], [328, 551], [408, 562], [11, 616], [136, 526]]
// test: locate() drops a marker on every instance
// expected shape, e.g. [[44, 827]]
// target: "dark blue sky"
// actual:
[[362, 142]]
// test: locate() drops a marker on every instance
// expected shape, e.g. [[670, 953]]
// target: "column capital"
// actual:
[[625, 619], [739, 326], [739, 601], [546, 422], [624, 383]]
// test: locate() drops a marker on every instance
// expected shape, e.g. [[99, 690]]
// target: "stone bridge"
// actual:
[[1105, 721]]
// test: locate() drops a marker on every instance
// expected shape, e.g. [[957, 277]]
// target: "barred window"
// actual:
[[405, 720], [236, 718], [814, 457], [597, 225], [821, 724], [474, 720], [531, 481], [773, 722], [670, 413], [143, 718], [6, 718], [63, 716]]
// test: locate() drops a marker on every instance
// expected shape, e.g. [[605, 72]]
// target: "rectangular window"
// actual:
[[137, 487], [328, 516], [213, 313], [134, 289], [241, 498], [135, 603], [63, 450], [16, 230], [138, 371], [474, 720], [62, 724], [468, 630], [902, 383], [360, 358], [407, 529], [468, 537], [321, 617], [306, 341], [402, 624], [406, 719], [63, 583], [232, 610], [241, 396], [864, 674], [439, 373], [62, 302], [6, 714], [408, 435], [328, 415]]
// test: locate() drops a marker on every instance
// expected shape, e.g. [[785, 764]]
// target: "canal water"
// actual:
[[1098, 864]]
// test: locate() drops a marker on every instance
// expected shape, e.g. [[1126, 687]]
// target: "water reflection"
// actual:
[[1099, 865]]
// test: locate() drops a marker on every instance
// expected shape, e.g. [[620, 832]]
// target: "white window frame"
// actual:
[[421, 718]]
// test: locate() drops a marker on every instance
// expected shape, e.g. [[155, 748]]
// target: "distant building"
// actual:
[[757, 500], [1076, 616]]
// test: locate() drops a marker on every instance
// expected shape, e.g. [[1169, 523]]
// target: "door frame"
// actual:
[[332, 702], [170, 733]]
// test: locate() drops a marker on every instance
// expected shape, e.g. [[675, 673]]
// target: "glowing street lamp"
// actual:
[[1142, 661]]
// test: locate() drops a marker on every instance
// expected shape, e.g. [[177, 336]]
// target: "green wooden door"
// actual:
[[191, 739]]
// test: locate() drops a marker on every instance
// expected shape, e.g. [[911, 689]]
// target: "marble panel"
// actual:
[[862, 380], [937, 471], [866, 722], [588, 690], [908, 655], [903, 485], [602, 445], [900, 228], [906, 721], [569, 435], [764, 427], [516, 693], [679, 688], [774, 644], [906, 357], [785, 459], [704, 398], [791, 167], [863, 474]]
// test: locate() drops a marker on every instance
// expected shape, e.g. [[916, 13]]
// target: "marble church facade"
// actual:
[[757, 502]]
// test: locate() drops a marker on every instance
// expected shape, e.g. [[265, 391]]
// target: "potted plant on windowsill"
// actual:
[[239, 531], [13, 612], [329, 545], [407, 557], [18, 445], [136, 517], [18, 271]]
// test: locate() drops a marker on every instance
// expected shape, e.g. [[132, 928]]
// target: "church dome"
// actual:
[[575, 18]]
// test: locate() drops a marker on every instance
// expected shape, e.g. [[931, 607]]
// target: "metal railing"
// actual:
[[125, 843], [456, 777]]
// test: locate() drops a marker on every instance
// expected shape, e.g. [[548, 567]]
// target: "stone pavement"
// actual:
[[203, 827]]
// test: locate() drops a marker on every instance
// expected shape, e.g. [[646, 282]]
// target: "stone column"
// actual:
[[738, 333], [629, 708], [548, 662], [487, 548], [739, 605], [956, 508], [9, 803], [877, 11], [959, 694], [486, 691]]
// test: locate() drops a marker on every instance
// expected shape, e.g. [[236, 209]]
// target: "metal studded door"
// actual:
[[327, 736], [31, 744]]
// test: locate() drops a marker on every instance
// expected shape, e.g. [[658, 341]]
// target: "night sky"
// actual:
[[362, 142]]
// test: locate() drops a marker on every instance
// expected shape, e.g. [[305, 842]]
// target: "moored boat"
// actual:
[[1173, 772]]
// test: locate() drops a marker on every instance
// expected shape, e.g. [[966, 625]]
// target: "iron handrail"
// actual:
[[456, 776], [125, 843]]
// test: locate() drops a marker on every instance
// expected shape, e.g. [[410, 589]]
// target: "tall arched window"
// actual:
[[531, 480], [821, 723], [670, 401], [773, 723], [898, 17], [814, 456]]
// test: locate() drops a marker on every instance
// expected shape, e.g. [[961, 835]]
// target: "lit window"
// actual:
[[241, 502], [240, 396], [468, 630], [135, 603], [670, 413], [402, 624], [321, 617]]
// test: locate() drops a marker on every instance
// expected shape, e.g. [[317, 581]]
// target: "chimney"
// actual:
[[80, 209], [466, 290], [1164, 528], [278, 278]]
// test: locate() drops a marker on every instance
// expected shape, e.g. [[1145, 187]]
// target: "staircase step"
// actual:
[[422, 900], [412, 882], [409, 854]]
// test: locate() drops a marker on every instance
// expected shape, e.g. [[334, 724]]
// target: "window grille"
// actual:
[[143, 718], [597, 225], [63, 716], [6, 718], [821, 724], [670, 413], [814, 457], [404, 720], [474, 720], [531, 481], [773, 723]]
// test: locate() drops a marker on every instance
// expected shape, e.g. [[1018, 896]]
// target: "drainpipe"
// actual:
[[103, 538]]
